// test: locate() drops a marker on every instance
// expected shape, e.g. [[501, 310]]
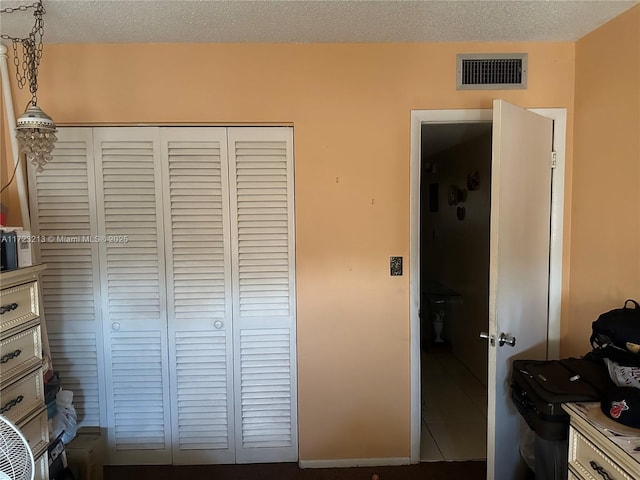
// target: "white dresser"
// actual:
[[596, 453], [21, 360]]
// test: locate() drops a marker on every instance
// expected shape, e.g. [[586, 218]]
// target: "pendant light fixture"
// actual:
[[35, 130]]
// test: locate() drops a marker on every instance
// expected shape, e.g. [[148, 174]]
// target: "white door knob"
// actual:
[[115, 326], [218, 324]]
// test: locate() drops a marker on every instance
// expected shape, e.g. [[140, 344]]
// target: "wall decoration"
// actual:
[[473, 181], [452, 197], [456, 195], [461, 212]]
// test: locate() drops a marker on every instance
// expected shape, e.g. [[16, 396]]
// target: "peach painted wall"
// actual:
[[350, 106], [605, 247]]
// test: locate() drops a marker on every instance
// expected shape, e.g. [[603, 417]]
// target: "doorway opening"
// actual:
[[420, 118], [455, 207]]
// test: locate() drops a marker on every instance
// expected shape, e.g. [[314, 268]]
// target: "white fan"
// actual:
[[16, 459]]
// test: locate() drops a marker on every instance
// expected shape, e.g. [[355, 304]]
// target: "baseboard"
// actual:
[[355, 462]]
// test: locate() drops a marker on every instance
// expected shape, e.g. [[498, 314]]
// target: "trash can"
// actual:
[[550, 444], [551, 458], [538, 389], [550, 426]]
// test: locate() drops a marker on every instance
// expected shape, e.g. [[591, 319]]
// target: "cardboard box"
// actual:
[[86, 455]]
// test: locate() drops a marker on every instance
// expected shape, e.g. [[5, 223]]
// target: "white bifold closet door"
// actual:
[[263, 265], [231, 302], [133, 290], [172, 315], [198, 253], [63, 221]]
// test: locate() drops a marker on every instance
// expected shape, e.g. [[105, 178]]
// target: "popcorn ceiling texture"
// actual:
[[176, 21]]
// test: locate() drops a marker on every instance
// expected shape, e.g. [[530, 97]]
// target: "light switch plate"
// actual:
[[395, 266]]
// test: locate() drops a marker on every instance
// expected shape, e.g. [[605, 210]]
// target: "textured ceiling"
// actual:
[[310, 21]]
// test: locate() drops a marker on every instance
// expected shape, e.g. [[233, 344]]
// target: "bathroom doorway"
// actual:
[[455, 194]]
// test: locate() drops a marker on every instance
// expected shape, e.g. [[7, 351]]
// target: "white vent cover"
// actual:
[[495, 71]]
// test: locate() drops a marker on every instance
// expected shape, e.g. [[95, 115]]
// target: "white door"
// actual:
[[263, 262], [518, 268], [131, 246], [198, 255], [63, 218]]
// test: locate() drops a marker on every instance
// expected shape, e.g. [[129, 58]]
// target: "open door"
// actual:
[[518, 269]]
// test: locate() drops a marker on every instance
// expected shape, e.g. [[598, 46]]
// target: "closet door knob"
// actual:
[[218, 324], [115, 326]]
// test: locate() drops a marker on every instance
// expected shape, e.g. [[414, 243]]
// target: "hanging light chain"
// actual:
[[35, 130], [27, 67]]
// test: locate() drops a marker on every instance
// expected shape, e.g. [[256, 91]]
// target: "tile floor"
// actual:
[[454, 409]]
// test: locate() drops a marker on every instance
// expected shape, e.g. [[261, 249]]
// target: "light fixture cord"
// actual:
[[27, 66], [15, 169]]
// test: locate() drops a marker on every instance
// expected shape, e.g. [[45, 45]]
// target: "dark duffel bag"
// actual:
[[616, 334]]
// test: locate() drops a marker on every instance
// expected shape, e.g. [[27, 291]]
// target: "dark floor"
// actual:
[[291, 471]]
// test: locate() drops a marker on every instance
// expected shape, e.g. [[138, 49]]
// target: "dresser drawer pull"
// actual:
[[8, 308], [9, 405], [600, 470], [10, 356]]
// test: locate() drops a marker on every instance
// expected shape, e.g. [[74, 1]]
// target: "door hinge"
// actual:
[[554, 158]]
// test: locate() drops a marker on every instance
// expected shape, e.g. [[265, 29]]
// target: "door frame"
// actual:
[[420, 117]]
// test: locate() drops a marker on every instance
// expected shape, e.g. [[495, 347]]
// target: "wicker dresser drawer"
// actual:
[[588, 461], [19, 353], [36, 430], [18, 305], [22, 397]]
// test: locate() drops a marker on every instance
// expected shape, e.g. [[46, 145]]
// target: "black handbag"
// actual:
[[616, 334]]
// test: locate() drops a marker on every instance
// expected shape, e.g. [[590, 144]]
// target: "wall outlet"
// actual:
[[395, 266]]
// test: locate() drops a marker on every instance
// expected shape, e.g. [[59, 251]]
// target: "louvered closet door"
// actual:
[[199, 294], [130, 219], [63, 219], [262, 226]]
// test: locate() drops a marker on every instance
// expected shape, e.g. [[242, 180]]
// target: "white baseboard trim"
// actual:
[[355, 462]]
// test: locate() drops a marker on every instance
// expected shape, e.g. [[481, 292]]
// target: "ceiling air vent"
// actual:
[[496, 71]]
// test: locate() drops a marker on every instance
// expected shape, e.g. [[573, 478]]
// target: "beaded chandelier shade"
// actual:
[[35, 130]]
